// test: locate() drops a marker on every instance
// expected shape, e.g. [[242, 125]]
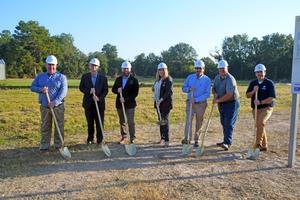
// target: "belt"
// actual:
[[198, 101]]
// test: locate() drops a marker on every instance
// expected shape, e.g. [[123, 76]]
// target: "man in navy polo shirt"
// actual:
[[265, 103]]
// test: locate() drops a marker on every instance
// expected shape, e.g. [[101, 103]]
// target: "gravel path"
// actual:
[[157, 172]]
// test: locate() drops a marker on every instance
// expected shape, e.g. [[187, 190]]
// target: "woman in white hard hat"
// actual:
[[266, 94], [163, 92], [128, 85], [94, 87]]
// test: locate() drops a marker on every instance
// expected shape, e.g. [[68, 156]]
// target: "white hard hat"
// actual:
[[222, 64], [126, 64], [199, 63], [95, 61], [259, 68], [162, 66], [51, 60]]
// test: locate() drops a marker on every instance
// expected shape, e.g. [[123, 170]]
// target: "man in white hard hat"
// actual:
[[128, 85], [197, 87], [95, 88], [55, 84], [266, 95], [226, 95], [163, 92]]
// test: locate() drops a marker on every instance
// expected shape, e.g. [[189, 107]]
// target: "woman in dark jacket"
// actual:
[[162, 89]]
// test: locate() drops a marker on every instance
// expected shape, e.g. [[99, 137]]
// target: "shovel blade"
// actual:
[[187, 149], [199, 151], [253, 154], [130, 149], [106, 150], [65, 153]]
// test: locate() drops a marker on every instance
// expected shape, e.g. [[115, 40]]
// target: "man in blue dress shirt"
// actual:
[[56, 85], [197, 86]]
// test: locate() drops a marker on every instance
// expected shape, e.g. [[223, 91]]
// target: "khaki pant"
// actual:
[[199, 110], [130, 120], [46, 126], [263, 116]]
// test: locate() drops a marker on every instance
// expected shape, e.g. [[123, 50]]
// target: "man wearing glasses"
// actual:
[[197, 87]]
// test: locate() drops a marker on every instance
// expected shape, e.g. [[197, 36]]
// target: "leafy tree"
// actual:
[[111, 53], [180, 59], [32, 42]]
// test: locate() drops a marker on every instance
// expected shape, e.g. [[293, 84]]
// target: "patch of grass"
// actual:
[[20, 115]]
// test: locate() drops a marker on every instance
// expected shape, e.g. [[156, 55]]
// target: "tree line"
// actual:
[[25, 50]]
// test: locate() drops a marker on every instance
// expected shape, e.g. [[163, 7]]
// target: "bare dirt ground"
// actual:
[[157, 172]]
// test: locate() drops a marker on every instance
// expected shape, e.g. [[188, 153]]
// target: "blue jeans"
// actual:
[[228, 116]]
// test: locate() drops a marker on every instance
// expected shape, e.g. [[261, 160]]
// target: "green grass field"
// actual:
[[20, 116]]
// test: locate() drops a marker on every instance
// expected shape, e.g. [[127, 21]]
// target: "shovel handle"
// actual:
[[255, 120], [123, 108], [190, 115], [158, 111], [55, 120], [99, 116]]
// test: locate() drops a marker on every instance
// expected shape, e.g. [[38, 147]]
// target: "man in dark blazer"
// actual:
[[128, 85], [94, 87]]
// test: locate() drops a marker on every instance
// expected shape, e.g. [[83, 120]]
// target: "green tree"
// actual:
[[32, 43], [111, 53], [180, 59]]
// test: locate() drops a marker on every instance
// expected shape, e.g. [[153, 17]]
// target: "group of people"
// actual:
[[94, 87]]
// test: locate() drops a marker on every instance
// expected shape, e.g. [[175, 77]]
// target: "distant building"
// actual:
[[2, 70]]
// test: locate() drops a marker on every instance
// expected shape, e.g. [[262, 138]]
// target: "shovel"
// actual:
[[64, 151], [104, 146], [161, 121], [130, 148], [253, 152], [188, 148], [199, 150]]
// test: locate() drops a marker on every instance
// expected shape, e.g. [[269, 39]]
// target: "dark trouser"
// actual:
[[164, 129], [130, 120], [228, 116], [91, 117], [46, 127]]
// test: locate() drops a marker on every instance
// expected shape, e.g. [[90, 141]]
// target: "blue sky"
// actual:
[[145, 26]]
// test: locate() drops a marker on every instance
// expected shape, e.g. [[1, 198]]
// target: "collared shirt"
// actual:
[[201, 85], [57, 87], [94, 78], [266, 90], [124, 80], [228, 84]]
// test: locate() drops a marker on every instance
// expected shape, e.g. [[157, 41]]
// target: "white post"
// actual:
[[295, 91], [293, 130]]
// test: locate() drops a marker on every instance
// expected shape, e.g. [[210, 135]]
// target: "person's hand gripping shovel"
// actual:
[[64, 151], [187, 148], [129, 147], [253, 152], [200, 150], [104, 145]]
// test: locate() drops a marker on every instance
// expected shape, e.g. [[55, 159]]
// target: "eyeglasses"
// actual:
[[196, 68]]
